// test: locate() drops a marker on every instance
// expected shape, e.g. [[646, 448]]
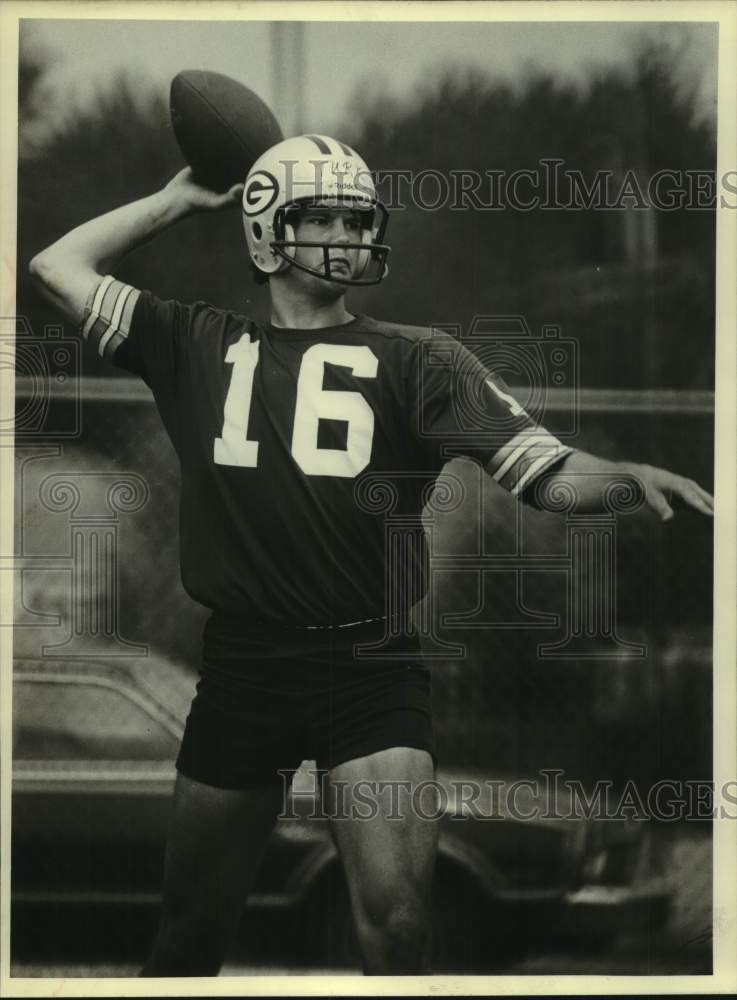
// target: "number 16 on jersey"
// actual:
[[313, 403]]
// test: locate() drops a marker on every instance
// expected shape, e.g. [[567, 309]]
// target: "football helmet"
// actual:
[[312, 171]]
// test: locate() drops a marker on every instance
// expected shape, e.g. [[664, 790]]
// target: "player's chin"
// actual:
[[334, 283], [340, 271]]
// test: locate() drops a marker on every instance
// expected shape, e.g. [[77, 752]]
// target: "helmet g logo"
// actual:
[[301, 171], [260, 192]]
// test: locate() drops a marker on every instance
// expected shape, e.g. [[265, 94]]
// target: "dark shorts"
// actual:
[[266, 702]]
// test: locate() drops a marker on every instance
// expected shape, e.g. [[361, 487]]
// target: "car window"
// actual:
[[85, 719]]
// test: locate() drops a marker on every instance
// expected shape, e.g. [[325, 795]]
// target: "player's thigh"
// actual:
[[215, 841], [384, 810]]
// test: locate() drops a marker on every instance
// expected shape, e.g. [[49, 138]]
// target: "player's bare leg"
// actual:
[[215, 843], [389, 862]]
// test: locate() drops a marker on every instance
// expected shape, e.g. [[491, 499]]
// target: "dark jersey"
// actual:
[[301, 449]]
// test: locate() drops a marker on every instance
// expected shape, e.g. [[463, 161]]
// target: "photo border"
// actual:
[[724, 977]]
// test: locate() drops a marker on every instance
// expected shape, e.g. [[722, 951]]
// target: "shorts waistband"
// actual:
[[361, 621], [231, 620]]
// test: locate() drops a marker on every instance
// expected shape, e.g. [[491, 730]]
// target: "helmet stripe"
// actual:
[[320, 143], [346, 149]]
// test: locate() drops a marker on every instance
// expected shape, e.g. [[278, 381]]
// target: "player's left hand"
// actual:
[[665, 490]]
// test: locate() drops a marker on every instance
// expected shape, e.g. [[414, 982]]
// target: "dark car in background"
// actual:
[[94, 746]]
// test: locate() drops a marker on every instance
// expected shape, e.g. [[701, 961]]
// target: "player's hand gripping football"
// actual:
[[196, 198], [665, 490]]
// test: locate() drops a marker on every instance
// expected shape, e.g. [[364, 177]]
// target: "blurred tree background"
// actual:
[[635, 288], [638, 293], [644, 315]]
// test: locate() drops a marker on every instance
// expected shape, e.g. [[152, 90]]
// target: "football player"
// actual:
[[278, 427]]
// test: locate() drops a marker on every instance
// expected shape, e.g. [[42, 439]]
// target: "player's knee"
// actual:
[[406, 928], [400, 917]]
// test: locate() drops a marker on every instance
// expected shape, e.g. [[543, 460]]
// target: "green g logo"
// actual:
[[260, 192]]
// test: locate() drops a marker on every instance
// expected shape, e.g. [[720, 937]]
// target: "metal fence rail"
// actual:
[[674, 401], [500, 592]]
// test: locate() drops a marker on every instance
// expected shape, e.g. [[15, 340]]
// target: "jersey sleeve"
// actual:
[[144, 335], [137, 331], [107, 317], [459, 407]]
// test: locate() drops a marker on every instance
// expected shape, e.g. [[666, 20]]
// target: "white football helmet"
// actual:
[[305, 171]]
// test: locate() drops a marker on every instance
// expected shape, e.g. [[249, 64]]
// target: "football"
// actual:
[[221, 126]]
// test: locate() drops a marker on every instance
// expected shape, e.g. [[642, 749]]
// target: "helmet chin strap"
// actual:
[[286, 245], [280, 246]]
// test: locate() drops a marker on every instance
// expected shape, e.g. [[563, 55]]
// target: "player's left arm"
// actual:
[[521, 456], [663, 490]]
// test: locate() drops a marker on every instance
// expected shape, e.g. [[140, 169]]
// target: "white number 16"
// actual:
[[313, 403]]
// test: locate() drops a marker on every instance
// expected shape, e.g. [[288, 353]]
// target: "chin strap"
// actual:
[[378, 252]]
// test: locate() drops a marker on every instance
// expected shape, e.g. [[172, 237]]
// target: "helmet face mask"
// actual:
[[371, 251], [312, 172]]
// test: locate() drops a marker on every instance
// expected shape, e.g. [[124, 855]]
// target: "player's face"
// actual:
[[330, 225]]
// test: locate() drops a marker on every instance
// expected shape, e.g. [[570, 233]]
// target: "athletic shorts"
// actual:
[[266, 701]]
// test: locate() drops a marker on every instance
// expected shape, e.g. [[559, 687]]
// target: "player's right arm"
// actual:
[[68, 271]]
